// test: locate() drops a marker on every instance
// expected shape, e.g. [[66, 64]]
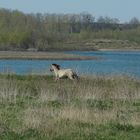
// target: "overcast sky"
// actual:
[[121, 9]]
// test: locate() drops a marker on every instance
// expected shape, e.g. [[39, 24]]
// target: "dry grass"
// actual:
[[62, 109]]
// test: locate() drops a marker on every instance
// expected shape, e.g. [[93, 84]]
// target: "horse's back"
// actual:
[[66, 72]]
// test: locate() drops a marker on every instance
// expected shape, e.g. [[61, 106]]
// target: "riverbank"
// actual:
[[36, 107], [59, 55], [42, 56], [126, 49], [100, 44]]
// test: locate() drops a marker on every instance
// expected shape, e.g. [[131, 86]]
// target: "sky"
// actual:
[[124, 10]]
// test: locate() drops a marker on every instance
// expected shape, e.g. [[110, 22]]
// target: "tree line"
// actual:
[[20, 31]]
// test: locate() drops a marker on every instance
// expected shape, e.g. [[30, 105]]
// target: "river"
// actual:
[[110, 63]]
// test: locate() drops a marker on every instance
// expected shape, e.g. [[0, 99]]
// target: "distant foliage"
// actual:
[[19, 31]]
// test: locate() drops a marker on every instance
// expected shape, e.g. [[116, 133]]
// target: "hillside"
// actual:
[[100, 44]]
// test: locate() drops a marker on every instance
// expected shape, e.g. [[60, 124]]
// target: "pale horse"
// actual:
[[63, 73]]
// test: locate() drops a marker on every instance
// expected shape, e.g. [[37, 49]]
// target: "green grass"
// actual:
[[97, 108]]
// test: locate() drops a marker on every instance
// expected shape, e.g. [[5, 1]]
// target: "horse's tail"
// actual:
[[75, 76]]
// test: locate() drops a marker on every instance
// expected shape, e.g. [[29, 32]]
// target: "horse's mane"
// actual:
[[57, 66]]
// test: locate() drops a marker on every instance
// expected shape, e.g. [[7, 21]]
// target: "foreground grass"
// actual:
[[97, 108]]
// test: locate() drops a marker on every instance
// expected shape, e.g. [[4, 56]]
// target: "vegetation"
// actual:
[[96, 108], [19, 31]]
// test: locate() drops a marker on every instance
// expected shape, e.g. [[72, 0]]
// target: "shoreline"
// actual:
[[53, 55], [119, 50], [22, 55]]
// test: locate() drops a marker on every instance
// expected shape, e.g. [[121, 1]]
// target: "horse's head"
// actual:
[[54, 67]]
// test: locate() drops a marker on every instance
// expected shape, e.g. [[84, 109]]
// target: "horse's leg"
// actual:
[[75, 77], [56, 78], [71, 77]]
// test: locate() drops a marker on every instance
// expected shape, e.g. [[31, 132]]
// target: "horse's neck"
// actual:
[[56, 71]]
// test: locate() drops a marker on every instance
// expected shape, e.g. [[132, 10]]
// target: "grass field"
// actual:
[[95, 108]]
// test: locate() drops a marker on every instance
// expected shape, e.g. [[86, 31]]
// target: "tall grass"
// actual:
[[36, 107]]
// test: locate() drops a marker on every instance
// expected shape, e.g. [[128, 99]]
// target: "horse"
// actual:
[[63, 73]]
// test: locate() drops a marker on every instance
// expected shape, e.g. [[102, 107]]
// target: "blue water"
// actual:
[[117, 62]]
